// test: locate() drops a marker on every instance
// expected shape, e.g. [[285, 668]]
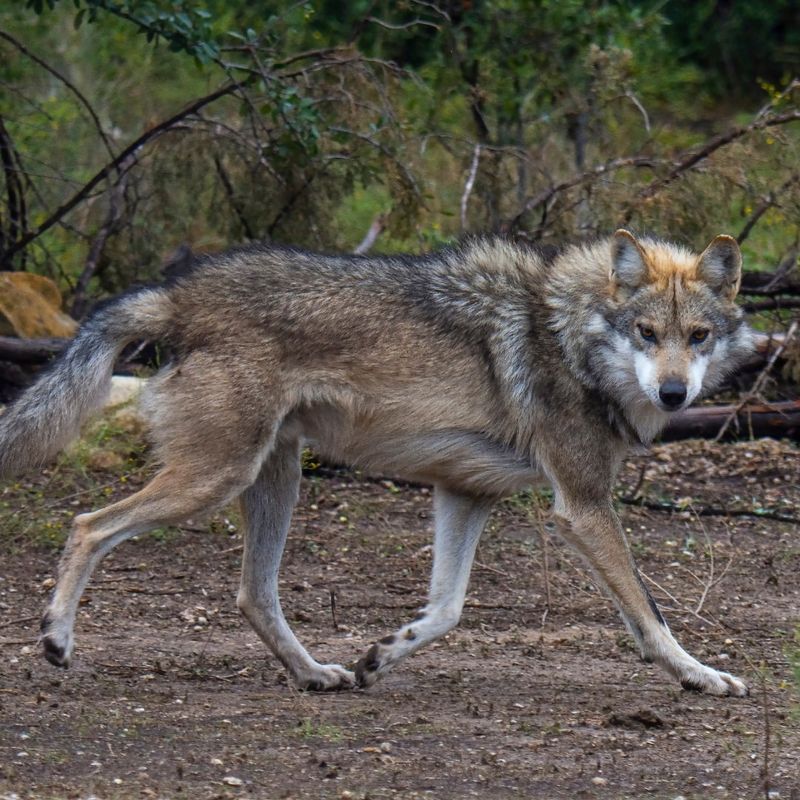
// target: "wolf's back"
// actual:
[[49, 414]]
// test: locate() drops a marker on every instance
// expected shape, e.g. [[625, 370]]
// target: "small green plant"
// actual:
[[794, 660], [308, 729]]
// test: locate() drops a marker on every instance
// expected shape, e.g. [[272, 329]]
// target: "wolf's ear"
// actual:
[[720, 266], [628, 266]]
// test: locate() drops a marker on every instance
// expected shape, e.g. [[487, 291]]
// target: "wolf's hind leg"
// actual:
[[459, 519], [267, 513], [597, 535], [173, 495]]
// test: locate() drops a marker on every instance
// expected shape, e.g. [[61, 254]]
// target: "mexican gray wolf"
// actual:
[[482, 369]]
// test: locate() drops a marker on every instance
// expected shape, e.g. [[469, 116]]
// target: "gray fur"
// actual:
[[481, 369]]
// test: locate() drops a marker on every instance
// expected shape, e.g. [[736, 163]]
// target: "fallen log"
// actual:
[[30, 351], [777, 420], [772, 304], [21, 360], [768, 284]]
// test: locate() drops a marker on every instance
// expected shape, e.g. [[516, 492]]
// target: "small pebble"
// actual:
[[598, 781], [232, 781]]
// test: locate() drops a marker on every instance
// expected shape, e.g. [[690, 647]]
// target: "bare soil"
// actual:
[[172, 695]]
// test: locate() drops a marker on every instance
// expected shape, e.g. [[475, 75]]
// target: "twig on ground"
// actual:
[[709, 584], [233, 549], [711, 511], [632, 495], [544, 538], [10, 623], [232, 676], [680, 605], [486, 567], [767, 736], [333, 609]]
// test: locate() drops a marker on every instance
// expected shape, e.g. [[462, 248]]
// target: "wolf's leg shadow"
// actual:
[[596, 533], [174, 494], [459, 521], [266, 508]]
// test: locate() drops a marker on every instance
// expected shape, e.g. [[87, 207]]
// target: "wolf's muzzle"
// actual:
[[672, 393]]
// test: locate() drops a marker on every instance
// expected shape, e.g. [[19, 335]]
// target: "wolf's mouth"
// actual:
[[670, 409]]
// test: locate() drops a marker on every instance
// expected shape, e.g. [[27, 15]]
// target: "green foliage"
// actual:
[[343, 112], [737, 45], [184, 28]]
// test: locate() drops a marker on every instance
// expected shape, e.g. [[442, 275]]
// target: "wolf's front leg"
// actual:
[[267, 512], [459, 522], [596, 533]]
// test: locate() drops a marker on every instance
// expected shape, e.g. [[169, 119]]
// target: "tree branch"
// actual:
[[768, 202], [473, 171], [772, 304], [45, 66], [710, 511], [29, 351], [17, 210], [109, 227], [375, 230], [710, 147], [576, 180], [230, 193], [84, 191]]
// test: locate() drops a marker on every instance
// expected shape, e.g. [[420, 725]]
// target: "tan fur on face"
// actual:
[[666, 262]]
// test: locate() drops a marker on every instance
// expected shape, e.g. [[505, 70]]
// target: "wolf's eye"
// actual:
[[648, 334], [700, 335]]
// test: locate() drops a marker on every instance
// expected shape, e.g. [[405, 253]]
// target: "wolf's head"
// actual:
[[661, 326], [674, 316]]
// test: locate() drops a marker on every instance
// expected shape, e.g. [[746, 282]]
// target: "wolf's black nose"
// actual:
[[672, 392]]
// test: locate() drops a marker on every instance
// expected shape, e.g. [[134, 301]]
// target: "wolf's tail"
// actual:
[[49, 414]]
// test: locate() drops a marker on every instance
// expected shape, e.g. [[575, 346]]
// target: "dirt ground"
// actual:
[[172, 695]]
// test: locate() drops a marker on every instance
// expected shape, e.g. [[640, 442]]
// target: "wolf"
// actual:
[[482, 369]]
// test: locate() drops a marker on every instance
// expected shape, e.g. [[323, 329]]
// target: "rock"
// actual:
[[30, 307]]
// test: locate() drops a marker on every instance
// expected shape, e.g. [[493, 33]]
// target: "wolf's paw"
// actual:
[[56, 643], [328, 678], [372, 665], [710, 681]]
